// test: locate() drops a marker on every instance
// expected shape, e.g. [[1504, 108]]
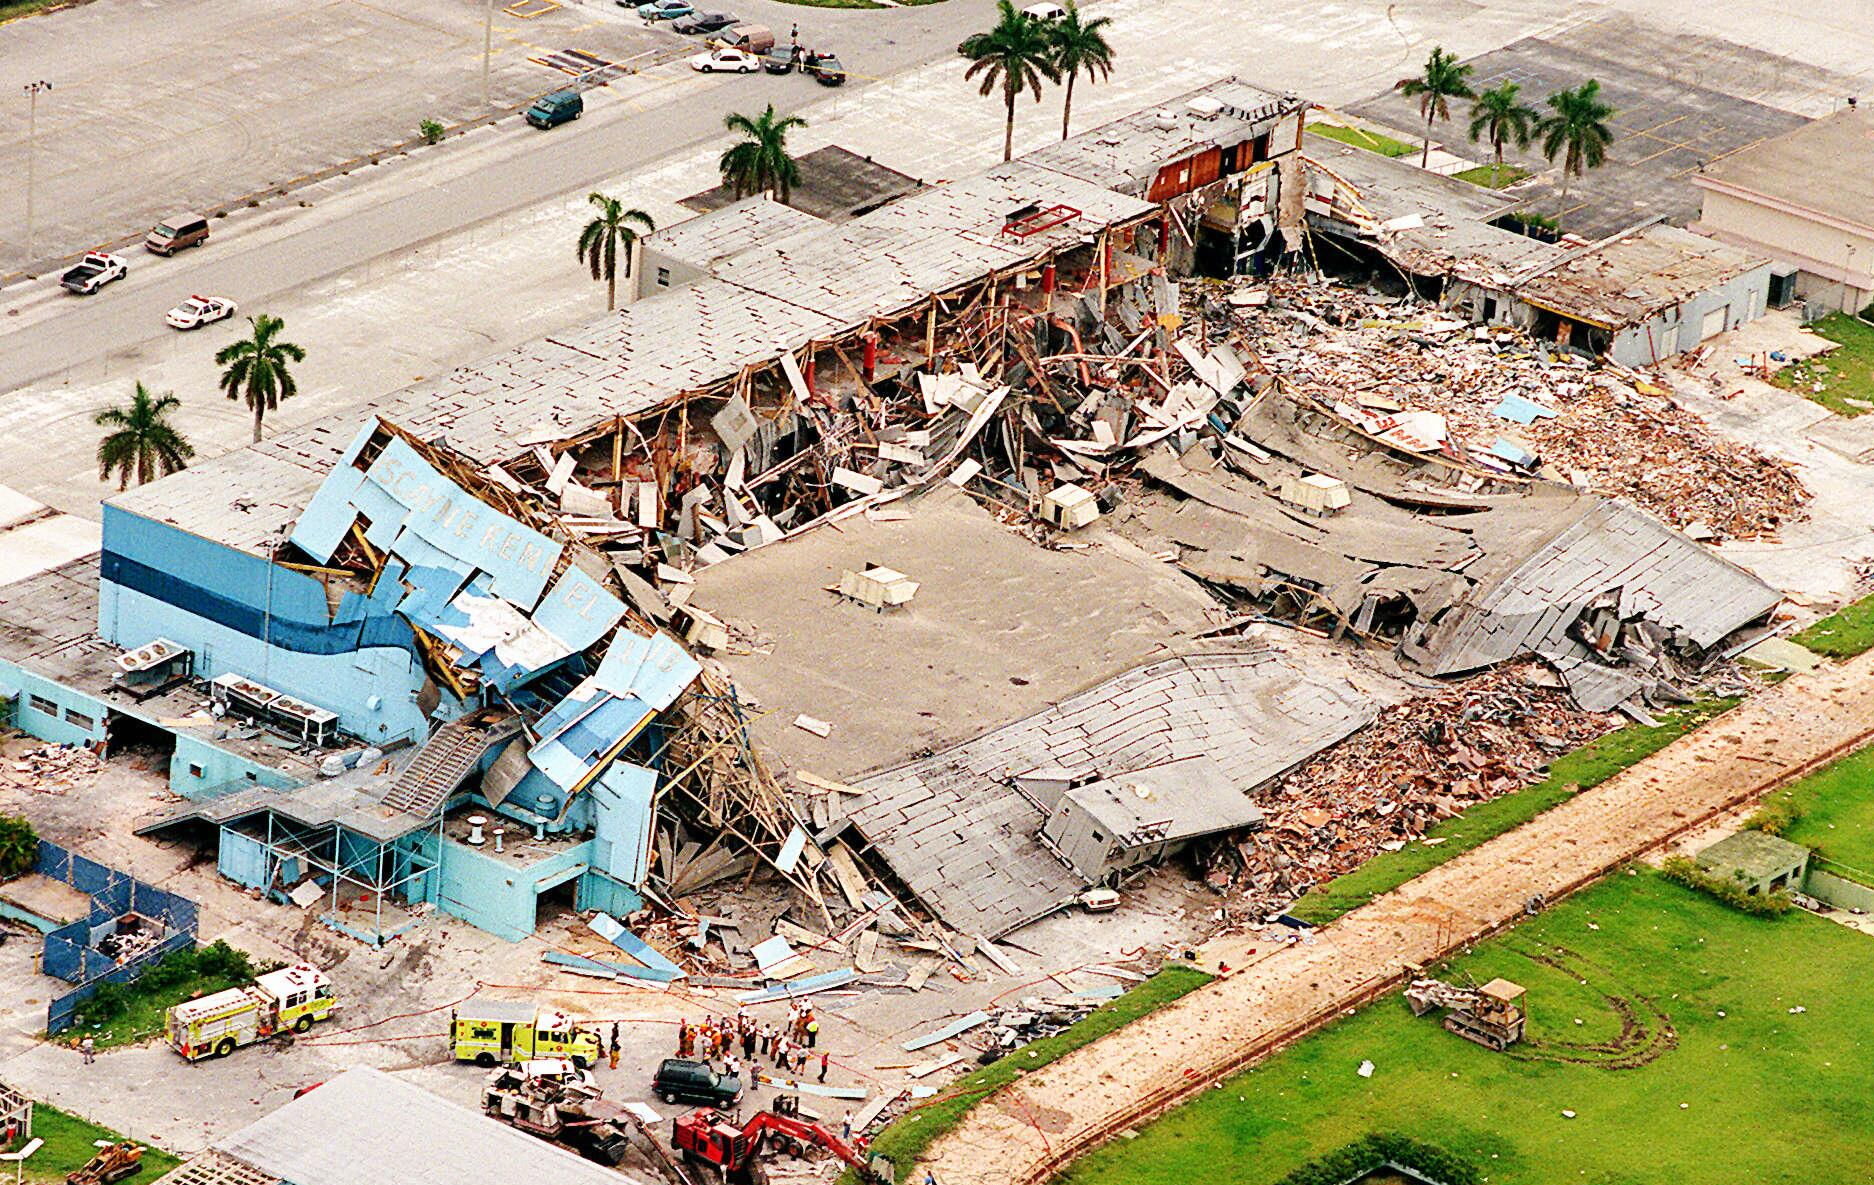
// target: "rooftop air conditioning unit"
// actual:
[[1205, 107]]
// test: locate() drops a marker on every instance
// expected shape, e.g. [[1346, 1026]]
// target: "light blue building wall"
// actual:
[[502, 898], [54, 712], [51, 711], [242, 614]]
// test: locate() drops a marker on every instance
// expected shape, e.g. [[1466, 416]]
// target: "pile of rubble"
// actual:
[[51, 769], [1420, 762], [1509, 404]]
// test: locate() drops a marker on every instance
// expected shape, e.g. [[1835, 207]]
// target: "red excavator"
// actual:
[[705, 1136]]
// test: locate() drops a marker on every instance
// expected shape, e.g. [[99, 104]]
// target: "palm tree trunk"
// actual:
[[1008, 133], [1497, 176], [1067, 108], [1563, 207], [260, 411], [611, 287], [1425, 154]]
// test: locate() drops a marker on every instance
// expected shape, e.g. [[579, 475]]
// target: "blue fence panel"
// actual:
[[60, 1012], [69, 953]]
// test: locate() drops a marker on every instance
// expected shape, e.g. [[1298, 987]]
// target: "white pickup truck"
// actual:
[[95, 271]]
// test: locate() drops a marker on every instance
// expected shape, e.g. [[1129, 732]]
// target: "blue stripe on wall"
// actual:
[[299, 636]]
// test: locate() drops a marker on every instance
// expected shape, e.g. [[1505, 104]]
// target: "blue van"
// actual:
[[556, 108]]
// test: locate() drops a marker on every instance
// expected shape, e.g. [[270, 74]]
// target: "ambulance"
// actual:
[[503, 1032], [214, 1026]]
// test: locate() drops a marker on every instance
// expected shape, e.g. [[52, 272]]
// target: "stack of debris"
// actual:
[[52, 769], [1420, 762], [1501, 401]]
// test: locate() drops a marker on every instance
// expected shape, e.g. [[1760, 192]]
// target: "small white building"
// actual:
[[1806, 200]]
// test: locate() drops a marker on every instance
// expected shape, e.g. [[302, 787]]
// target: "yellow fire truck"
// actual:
[[215, 1026], [501, 1032]]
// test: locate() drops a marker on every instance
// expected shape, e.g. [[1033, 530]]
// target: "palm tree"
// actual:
[[760, 163], [1499, 115], [142, 441], [1016, 55], [604, 235], [1443, 80], [256, 368], [1080, 46], [1576, 130]]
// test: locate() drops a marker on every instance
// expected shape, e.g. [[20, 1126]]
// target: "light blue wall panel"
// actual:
[[52, 711], [243, 860]]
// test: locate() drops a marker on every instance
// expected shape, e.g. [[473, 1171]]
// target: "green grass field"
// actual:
[[1841, 375], [69, 1144], [1491, 177], [1834, 811], [907, 1137], [1842, 634], [1729, 1085], [1371, 141], [1590, 765]]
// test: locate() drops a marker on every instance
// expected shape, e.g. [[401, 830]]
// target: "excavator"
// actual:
[[707, 1137], [113, 1163]]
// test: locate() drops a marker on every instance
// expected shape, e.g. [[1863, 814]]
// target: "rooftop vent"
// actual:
[[1204, 107]]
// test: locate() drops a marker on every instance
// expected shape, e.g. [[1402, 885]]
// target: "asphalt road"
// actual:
[[525, 168]]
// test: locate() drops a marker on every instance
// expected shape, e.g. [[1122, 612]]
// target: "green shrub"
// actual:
[[1681, 870], [19, 847], [433, 132], [1379, 1149], [1773, 818]]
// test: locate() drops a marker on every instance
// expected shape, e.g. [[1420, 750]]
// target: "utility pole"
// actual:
[[32, 90], [488, 47]]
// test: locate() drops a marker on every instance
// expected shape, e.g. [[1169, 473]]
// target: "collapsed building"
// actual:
[[780, 561], [1637, 297]]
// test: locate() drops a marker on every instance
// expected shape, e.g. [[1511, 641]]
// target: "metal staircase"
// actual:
[[446, 761]]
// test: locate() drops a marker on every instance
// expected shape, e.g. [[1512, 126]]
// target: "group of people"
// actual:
[[789, 1045]]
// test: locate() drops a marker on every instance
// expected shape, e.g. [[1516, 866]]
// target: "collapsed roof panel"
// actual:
[[1608, 547], [965, 840]]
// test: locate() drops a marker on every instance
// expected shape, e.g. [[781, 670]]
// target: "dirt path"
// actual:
[[1026, 1134]]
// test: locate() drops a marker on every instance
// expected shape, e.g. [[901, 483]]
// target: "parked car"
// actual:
[[824, 68], [680, 1081], [176, 233], [1045, 12], [662, 10], [555, 109], [725, 61], [705, 22], [753, 39], [93, 272], [199, 310], [780, 59]]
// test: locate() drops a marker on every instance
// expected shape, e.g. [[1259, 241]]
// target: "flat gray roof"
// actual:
[[1825, 167], [835, 184], [366, 1127], [998, 628], [1190, 797], [1127, 153], [1628, 280], [730, 230], [810, 286]]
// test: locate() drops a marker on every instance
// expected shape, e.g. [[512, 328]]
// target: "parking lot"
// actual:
[[193, 104], [1680, 101]]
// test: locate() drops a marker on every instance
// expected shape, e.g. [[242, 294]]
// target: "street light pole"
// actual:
[[32, 90]]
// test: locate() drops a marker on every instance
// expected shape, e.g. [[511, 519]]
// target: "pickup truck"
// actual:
[[94, 272]]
